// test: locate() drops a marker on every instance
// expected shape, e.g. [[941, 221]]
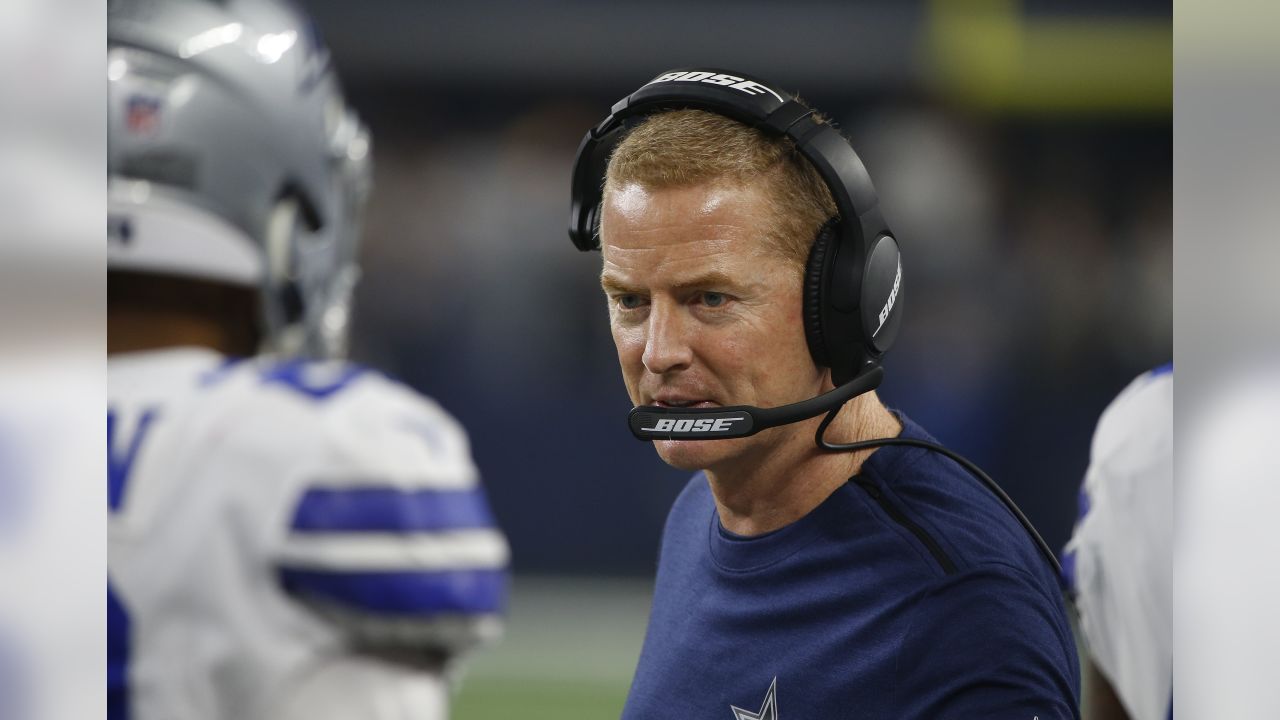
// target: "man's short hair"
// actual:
[[682, 148]]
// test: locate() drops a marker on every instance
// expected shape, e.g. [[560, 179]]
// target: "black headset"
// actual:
[[853, 279]]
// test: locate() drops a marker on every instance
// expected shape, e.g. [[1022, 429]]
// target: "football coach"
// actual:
[[828, 559]]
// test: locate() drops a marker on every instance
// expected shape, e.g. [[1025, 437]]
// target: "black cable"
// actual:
[[964, 462]]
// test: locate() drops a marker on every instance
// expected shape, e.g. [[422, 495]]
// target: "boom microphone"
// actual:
[[650, 422]]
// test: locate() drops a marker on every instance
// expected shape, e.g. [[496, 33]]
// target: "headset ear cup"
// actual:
[[882, 291], [815, 292]]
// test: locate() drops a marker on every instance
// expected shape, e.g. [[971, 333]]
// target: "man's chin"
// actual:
[[694, 454]]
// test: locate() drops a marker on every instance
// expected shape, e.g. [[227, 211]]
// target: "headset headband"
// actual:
[[749, 101]]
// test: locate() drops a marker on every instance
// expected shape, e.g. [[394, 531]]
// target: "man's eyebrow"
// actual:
[[714, 278], [611, 283]]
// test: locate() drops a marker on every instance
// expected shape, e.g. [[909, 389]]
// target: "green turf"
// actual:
[[569, 652], [503, 699]]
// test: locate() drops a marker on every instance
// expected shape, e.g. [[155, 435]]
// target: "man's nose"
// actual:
[[667, 346]]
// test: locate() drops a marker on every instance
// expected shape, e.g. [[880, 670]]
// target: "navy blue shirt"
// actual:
[[910, 592]]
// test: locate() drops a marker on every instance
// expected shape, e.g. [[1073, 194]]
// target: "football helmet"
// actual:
[[232, 156]]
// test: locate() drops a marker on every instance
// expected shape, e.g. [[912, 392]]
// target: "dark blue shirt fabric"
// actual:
[[850, 613]]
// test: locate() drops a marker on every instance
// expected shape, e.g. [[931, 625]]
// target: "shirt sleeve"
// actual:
[[988, 643], [393, 540]]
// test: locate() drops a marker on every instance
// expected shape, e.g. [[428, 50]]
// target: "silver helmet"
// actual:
[[232, 156]]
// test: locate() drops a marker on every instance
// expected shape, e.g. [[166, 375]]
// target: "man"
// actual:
[[794, 582], [1119, 561], [290, 537]]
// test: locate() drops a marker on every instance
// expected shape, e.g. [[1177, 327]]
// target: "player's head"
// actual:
[[705, 231], [235, 167]]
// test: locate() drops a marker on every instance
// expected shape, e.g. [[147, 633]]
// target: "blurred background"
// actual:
[[1023, 154]]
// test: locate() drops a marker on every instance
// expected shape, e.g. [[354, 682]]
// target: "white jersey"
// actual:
[[1119, 559], [289, 539]]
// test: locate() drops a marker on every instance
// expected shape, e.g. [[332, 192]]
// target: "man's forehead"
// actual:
[[679, 225], [678, 235], [682, 251], [638, 206], [679, 243]]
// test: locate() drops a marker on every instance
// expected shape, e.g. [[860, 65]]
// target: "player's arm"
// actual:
[[365, 687], [414, 575], [1100, 701], [392, 544]]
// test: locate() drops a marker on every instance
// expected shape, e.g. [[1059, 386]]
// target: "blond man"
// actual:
[[795, 582]]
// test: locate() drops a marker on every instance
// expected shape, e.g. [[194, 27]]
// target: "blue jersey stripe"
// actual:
[[312, 379], [390, 510], [403, 593], [117, 659], [1069, 570]]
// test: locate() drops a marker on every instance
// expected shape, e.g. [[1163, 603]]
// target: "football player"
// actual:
[[1118, 563], [291, 536]]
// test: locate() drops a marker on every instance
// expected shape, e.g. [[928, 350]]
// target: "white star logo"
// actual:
[[768, 709]]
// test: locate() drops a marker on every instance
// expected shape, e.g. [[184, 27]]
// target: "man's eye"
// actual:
[[713, 299], [630, 301]]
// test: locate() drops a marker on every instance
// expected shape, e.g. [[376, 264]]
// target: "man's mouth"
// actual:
[[684, 403]]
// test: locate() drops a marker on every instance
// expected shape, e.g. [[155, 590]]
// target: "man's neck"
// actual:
[[794, 476], [132, 330]]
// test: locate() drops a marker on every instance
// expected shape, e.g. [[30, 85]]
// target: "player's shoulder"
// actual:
[[348, 417], [1138, 423], [1148, 396], [327, 390], [368, 421], [1124, 500], [319, 388], [159, 376]]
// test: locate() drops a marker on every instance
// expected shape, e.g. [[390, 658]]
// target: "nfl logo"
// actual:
[[142, 115]]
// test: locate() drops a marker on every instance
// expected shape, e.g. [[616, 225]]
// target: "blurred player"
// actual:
[[1118, 562], [289, 537]]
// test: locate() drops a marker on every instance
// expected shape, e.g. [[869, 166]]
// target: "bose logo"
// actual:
[[893, 296], [747, 86], [692, 425]]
